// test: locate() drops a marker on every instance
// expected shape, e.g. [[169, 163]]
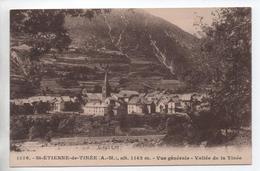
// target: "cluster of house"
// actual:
[[44, 104], [132, 102], [125, 101]]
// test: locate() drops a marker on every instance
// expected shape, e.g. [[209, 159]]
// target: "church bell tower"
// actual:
[[106, 87]]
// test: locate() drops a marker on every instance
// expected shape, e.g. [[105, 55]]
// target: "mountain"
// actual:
[[143, 37], [141, 50]]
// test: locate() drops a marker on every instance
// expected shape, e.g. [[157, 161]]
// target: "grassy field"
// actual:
[[90, 142], [242, 140]]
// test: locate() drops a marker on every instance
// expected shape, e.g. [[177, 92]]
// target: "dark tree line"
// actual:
[[29, 109], [225, 64], [41, 108]]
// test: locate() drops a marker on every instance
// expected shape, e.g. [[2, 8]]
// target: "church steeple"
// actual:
[[106, 87]]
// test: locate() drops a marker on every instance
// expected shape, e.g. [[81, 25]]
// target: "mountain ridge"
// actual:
[[140, 49]]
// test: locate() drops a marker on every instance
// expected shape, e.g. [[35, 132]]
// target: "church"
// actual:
[[100, 104]]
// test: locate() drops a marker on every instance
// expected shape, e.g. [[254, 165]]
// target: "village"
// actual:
[[108, 103]]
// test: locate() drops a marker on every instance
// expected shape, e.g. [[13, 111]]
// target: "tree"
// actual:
[[226, 51], [37, 32], [44, 29]]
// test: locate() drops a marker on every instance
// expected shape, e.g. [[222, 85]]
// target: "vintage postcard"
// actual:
[[122, 87]]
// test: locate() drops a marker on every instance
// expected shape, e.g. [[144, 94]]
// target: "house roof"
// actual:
[[152, 94], [165, 100], [145, 101], [156, 95], [139, 100], [94, 96], [96, 104], [128, 93], [200, 96], [63, 99], [66, 98], [185, 97], [32, 99], [51, 99], [20, 101], [135, 100], [41, 98], [117, 95], [111, 98]]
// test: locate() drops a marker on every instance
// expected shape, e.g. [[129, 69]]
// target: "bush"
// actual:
[[19, 129]]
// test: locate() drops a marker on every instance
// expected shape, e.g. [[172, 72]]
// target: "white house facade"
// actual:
[[95, 108]]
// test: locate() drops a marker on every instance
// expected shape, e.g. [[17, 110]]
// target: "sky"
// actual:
[[184, 17]]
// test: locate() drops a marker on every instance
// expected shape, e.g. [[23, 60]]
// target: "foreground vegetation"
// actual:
[[174, 130]]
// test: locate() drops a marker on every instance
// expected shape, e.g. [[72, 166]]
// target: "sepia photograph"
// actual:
[[130, 87]]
